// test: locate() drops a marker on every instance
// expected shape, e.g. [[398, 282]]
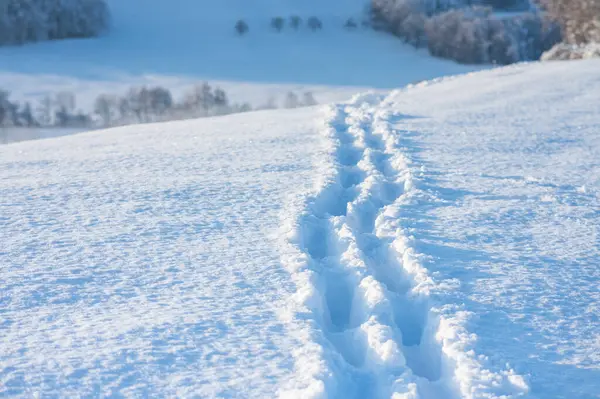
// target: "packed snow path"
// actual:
[[361, 279]]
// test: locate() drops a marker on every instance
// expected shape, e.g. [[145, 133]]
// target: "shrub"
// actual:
[[277, 23], [350, 24], [241, 27], [295, 22], [314, 24]]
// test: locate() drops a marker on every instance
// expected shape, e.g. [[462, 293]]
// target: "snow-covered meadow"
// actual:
[[437, 242]]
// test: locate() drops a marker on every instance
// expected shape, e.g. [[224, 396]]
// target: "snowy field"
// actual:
[[437, 242], [180, 43]]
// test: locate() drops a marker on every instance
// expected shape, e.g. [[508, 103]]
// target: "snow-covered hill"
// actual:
[[180, 42], [437, 242]]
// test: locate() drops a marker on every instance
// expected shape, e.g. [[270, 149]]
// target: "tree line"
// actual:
[[138, 105], [295, 22]]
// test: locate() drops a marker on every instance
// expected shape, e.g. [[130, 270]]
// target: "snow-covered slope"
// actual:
[[439, 242], [176, 43], [140, 261]]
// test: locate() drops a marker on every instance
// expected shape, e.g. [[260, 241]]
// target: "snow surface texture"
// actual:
[[178, 43], [141, 261], [439, 242]]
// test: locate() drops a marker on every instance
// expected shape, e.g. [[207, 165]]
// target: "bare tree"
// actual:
[[26, 116], [45, 110], [199, 101], [161, 101], [269, 104], [4, 106], [106, 107]]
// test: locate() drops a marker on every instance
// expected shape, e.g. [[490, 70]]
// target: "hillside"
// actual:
[[175, 44], [436, 242]]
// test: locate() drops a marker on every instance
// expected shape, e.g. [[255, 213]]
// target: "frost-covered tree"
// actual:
[[291, 100], [161, 101], [466, 31], [220, 98], [106, 107], [199, 100], [66, 100], [26, 116], [45, 110], [5, 107], [24, 21], [459, 36], [475, 35], [238, 108]]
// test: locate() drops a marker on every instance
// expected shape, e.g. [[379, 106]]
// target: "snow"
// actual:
[[139, 261], [510, 166], [439, 241]]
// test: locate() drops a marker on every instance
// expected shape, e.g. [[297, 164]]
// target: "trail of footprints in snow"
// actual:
[[376, 324]]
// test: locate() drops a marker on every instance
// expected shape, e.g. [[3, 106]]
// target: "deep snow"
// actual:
[[437, 242]]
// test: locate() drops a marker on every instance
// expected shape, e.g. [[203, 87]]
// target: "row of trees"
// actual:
[[138, 105], [467, 31], [296, 23], [24, 21], [50, 111]]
